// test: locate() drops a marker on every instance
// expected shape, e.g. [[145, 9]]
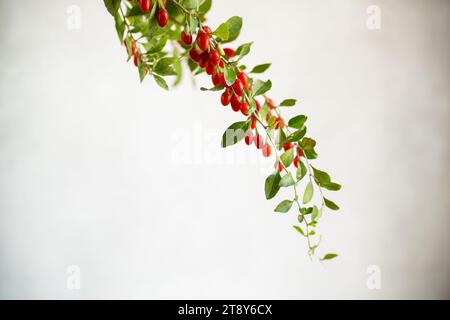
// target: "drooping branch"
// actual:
[[149, 28]]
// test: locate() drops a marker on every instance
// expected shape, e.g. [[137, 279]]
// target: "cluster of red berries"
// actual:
[[162, 16], [209, 58]]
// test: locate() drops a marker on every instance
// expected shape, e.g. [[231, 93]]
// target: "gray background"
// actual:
[[91, 172]]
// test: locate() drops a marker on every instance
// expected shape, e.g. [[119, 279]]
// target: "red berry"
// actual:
[[235, 103], [214, 57], [221, 64], [195, 55], [209, 68], [270, 103], [280, 166], [258, 105], [145, 5], [207, 29], [222, 79], [187, 38], [225, 98], [244, 79], [253, 123], [288, 145], [135, 60], [202, 41], [229, 52], [259, 141], [203, 59], [163, 17], [266, 150], [244, 108], [238, 87], [299, 152], [215, 79], [249, 138], [296, 159]]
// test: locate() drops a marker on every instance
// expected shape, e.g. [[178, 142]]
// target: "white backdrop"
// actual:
[[91, 173]]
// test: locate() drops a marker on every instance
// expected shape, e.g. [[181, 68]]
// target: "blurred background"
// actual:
[[113, 189]]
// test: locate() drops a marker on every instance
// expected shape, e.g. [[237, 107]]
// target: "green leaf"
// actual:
[[300, 230], [330, 204], [243, 50], [235, 133], [281, 139], [161, 82], [284, 206], [321, 176], [324, 180], [112, 6], [297, 135], [142, 70], [261, 68], [332, 186], [222, 31], [164, 67], [297, 122], [301, 171], [191, 4], [261, 87], [205, 6], [263, 112], [329, 256], [287, 180], [288, 103], [309, 192], [234, 29], [287, 157], [218, 88], [308, 145], [315, 213], [272, 185], [230, 75], [120, 27], [300, 218]]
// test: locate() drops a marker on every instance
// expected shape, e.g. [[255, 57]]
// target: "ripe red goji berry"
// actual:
[[145, 5], [296, 162], [244, 79], [203, 59], [288, 146], [238, 87], [266, 150], [253, 123], [244, 108], [299, 152], [225, 98], [202, 41], [259, 142], [249, 137], [214, 57], [229, 52], [270, 103], [280, 166], [186, 38], [215, 79], [207, 30], [195, 55], [209, 68], [135, 60], [258, 105], [163, 18], [235, 103]]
